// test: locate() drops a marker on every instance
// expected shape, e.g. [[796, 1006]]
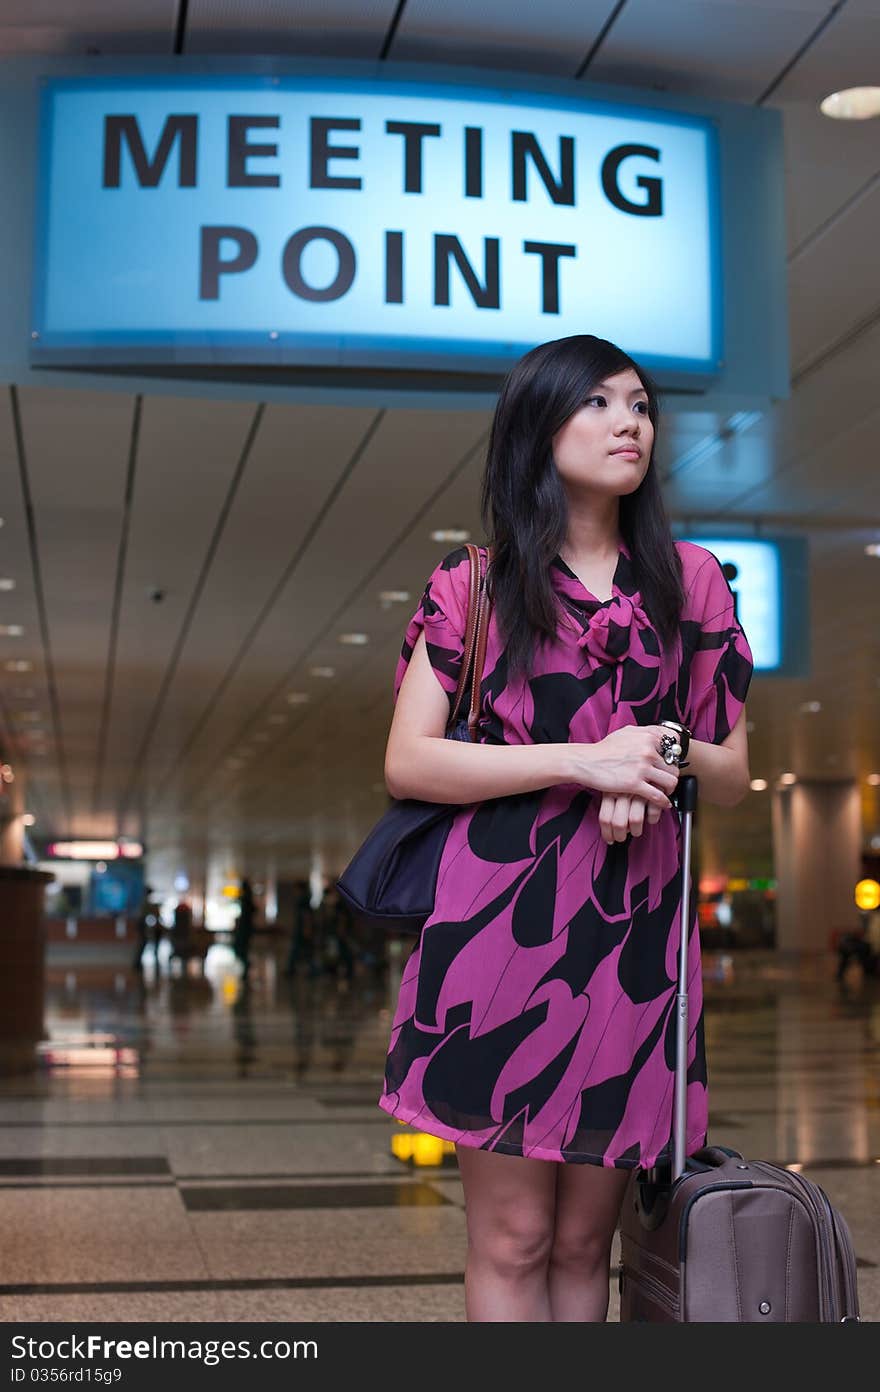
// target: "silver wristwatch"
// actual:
[[675, 745]]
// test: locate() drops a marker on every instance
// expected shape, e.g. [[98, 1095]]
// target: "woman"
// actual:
[[535, 1016]]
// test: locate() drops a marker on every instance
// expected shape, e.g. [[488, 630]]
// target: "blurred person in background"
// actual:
[[244, 927]]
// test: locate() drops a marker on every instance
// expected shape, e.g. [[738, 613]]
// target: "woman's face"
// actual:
[[605, 446]]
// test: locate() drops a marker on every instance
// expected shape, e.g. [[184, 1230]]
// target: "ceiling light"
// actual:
[[18, 665], [873, 549], [451, 534], [758, 785], [7, 584], [356, 639], [788, 778], [811, 707], [874, 779], [28, 819], [84, 850], [6, 773], [297, 698], [852, 104], [323, 671], [11, 631], [393, 596]]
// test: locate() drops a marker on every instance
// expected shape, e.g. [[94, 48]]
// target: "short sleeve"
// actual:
[[442, 613], [718, 663]]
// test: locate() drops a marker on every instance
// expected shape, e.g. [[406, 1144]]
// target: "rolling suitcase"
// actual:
[[716, 1237]]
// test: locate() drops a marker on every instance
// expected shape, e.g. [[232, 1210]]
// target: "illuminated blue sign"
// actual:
[[769, 581], [307, 220]]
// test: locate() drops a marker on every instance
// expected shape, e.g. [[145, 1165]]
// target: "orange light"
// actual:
[[867, 895]]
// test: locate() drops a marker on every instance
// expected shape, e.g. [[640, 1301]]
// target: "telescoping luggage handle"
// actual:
[[684, 799]]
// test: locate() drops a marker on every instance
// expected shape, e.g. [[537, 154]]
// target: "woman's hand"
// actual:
[[621, 816], [627, 763]]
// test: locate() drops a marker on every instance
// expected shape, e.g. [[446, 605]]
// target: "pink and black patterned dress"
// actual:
[[536, 1011]]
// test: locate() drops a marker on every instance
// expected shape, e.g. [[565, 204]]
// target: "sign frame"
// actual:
[[276, 350]]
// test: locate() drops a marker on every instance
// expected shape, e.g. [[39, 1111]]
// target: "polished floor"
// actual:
[[191, 1151]]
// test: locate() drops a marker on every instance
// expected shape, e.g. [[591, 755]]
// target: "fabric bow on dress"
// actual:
[[611, 630]]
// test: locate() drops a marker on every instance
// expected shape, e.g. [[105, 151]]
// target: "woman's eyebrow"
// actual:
[[636, 391]]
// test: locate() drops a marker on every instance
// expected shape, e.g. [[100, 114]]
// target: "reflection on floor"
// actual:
[[192, 1151]]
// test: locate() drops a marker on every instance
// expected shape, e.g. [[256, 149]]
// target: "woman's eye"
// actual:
[[643, 407], [594, 398]]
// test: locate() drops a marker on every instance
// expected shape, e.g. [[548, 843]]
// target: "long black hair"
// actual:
[[524, 508]]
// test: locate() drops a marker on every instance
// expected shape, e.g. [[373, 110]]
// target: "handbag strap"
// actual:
[[475, 636]]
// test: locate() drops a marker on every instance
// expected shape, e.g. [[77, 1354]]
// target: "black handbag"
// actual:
[[393, 874]]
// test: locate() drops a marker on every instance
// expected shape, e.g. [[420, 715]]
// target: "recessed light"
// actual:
[[811, 707], [852, 104], [6, 584], [393, 596], [873, 549], [28, 819], [788, 778], [874, 779], [355, 639], [451, 534], [323, 671], [18, 665], [758, 785], [297, 698], [11, 631]]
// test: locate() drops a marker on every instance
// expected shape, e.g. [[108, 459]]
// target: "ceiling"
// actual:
[[270, 528]]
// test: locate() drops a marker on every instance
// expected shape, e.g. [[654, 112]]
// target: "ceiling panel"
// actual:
[[188, 452], [77, 448], [844, 54], [298, 457], [87, 26], [402, 465], [707, 49], [23, 693], [347, 28], [827, 164], [552, 38], [835, 282]]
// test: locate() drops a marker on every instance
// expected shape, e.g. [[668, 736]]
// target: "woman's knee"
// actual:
[[514, 1244], [581, 1248]]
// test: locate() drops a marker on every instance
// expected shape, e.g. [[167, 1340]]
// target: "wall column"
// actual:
[[817, 838]]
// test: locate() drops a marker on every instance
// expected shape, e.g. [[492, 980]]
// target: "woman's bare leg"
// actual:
[[509, 1206], [588, 1200]]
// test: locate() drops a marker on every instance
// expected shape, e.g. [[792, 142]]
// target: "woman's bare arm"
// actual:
[[722, 770], [420, 763]]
